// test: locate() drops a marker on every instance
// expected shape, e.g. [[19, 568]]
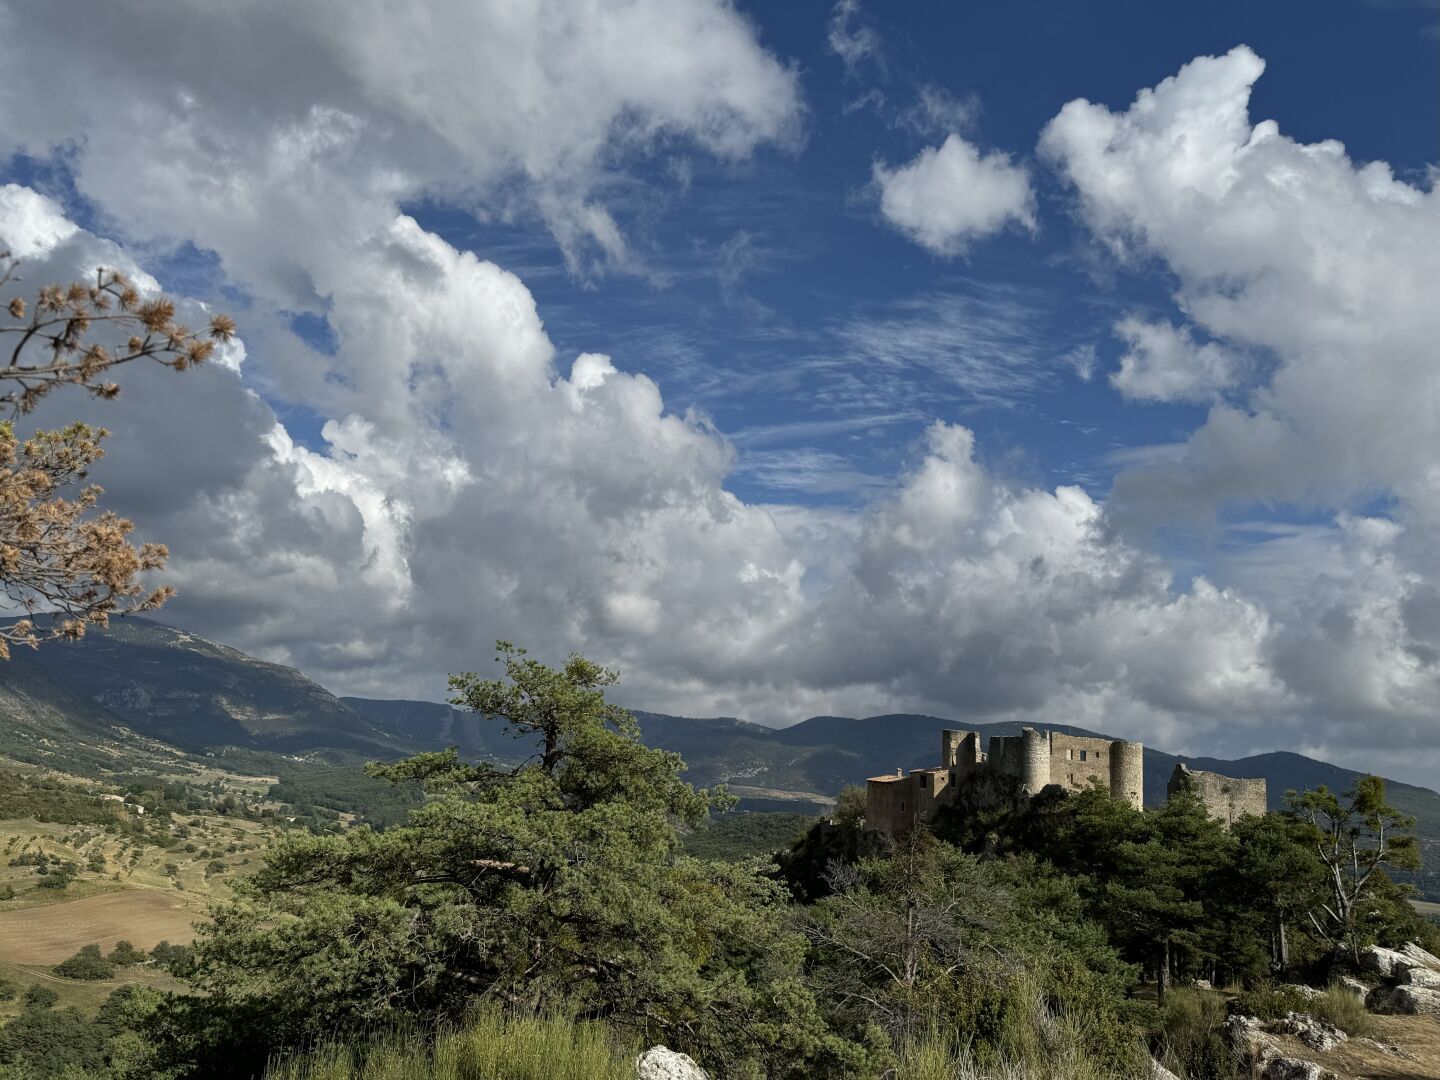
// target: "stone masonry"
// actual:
[[1037, 759], [1227, 798]]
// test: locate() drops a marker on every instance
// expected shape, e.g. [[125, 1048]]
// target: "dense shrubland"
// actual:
[[550, 914]]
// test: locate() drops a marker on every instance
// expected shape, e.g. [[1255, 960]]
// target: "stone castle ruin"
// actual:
[[1038, 759], [1227, 798]]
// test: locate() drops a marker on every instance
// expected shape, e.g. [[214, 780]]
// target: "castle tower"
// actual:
[[1127, 772], [1034, 761], [950, 748]]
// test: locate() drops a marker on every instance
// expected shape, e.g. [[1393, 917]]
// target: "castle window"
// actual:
[[1082, 755], [1069, 755]]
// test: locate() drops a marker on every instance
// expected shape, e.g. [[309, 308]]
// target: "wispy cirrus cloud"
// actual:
[[980, 343]]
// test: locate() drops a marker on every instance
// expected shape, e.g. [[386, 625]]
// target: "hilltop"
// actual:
[[143, 687]]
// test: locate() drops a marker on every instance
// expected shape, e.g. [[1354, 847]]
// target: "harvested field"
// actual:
[[47, 935]]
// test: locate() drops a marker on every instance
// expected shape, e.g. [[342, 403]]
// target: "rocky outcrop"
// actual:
[[1417, 976], [1413, 978], [1394, 963], [1249, 1043], [1253, 1042], [1404, 1001], [1418, 957], [1315, 1033], [1383, 962], [661, 1063]]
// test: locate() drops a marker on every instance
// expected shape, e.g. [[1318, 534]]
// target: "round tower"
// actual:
[[1034, 761], [950, 748], [1127, 772]]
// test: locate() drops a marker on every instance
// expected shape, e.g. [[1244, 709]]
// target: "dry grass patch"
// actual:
[[47, 935]]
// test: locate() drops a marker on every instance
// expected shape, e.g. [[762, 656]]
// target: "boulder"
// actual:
[[1404, 1001], [1418, 957], [1248, 1041], [1160, 1072], [1287, 1068], [1309, 993], [1315, 1033], [660, 1063], [1420, 976], [1384, 961]]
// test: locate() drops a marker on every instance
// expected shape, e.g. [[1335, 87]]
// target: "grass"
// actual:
[[1343, 1009], [942, 1057], [1191, 1045], [490, 1046]]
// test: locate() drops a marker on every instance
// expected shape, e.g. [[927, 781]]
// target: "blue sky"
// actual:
[[763, 342], [996, 361]]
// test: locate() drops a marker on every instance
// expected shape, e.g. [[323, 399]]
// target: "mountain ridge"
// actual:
[[142, 679]]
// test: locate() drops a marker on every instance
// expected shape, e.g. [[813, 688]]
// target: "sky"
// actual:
[[1050, 362]]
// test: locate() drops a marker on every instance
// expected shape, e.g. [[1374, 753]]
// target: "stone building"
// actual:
[[1227, 798], [1037, 759]]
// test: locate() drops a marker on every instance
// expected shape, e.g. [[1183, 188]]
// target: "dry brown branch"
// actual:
[[52, 341], [56, 555]]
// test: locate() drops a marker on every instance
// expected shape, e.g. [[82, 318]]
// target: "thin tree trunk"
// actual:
[[1162, 981], [1282, 948]]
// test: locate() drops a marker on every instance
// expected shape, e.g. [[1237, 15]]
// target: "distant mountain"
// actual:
[[164, 683], [141, 680]]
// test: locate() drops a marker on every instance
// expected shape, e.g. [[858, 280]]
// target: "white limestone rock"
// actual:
[[1160, 1072], [1315, 1033], [1420, 976], [1386, 1048], [1248, 1041], [661, 1063], [1404, 1001], [1418, 957], [1383, 962]]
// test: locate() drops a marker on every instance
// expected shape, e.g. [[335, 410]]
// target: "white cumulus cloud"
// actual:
[[948, 196], [1163, 362]]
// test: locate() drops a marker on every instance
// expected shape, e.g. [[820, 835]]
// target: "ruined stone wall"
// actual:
[[1227, 798], [950, 747], [1036, 759], [960, 752], [1007, 754], [1075, 761]]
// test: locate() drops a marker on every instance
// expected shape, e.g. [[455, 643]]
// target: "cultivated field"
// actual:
[[47, 935], [140, 891]]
